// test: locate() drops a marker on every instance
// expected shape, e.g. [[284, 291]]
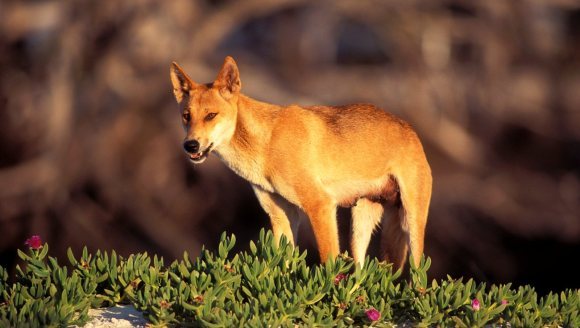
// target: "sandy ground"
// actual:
[[126, 316], [123, 316]]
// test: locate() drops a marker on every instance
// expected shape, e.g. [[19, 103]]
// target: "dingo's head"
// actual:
[[208, 111]]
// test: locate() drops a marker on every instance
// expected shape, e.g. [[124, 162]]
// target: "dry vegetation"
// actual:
[[90, 139]]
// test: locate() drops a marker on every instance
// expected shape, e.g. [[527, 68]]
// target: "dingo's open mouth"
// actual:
[[198, 158]]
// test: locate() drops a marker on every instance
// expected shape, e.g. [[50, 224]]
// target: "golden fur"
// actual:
[[306, 161]]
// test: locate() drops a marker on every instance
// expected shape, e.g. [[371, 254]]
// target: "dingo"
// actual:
[[309, 160]]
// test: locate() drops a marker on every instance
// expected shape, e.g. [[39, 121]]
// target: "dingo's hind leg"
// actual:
[[394, 240], [365, 217]]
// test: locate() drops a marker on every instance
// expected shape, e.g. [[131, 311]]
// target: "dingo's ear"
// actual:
[[181, 82], [228, 80]]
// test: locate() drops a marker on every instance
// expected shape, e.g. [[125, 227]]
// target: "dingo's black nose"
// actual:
[[191, 146]]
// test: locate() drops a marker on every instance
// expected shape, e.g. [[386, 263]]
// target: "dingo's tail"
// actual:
[[404, 227]]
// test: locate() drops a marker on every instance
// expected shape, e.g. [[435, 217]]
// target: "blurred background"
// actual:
[[90, 136]]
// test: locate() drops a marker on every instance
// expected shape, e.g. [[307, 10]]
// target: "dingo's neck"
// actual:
[[244, 153]]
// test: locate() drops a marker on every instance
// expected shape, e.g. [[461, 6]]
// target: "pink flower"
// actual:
[[504, 302], [34, 242], [373, 314], [339, 277], [475, 304]]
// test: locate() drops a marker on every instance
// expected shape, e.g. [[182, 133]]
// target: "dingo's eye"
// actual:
[[210, 116], [186, 116]]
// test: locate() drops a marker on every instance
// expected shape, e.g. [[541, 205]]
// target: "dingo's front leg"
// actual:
[[284, 216], [322, 215]]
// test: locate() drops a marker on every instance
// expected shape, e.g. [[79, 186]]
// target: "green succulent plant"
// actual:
[[270, 284]]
